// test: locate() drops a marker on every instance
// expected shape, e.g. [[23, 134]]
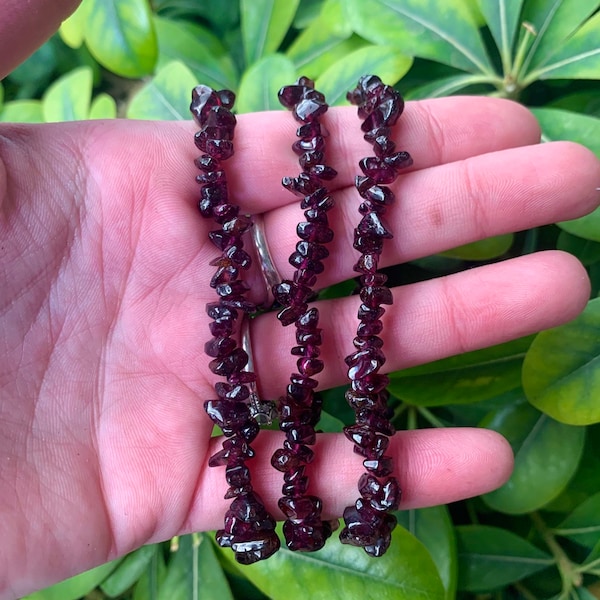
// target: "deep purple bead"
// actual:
[[399, 160], [229, 391], [373, 224], [220, 346], [225, 414], [377, 169], [238, 475], [226, 365], [314, 232]]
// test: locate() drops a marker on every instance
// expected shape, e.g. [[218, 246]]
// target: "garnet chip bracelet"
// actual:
[[248, 529]]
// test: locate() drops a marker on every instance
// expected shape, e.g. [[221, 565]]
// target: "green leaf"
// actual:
[[194, 572], [547, 454], [561, 371], [342, 76], [502, 17], [38, 69], [75, 587], [583, 524], [264, 25], [72, 29], [323, 35], [103, 107], [583, 129], [579, 102], [176, 42], [148, 584], [487, 249], [441, 30], [68, 98], [166, 97], [445, 86], [433, 527], [554, 21], [261, 82], [490, 558], [586, 251], [22, 111], [578, 57], [470, 377], [128, 571], [339, 572], [329, 423], [121, 37]]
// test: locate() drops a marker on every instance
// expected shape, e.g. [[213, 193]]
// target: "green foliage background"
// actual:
[[539, 535]]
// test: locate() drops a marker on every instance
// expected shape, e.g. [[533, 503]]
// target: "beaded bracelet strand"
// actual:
[[249, 530], [300, 407], [369, 522]]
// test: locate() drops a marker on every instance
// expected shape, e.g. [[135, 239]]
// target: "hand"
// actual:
[[104, 260]]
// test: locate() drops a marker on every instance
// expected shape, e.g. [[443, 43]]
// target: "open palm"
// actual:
[[104, 264]]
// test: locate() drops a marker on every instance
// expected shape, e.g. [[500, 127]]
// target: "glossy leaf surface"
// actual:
[[129, 570], [120, 35], [561, 372], [177, 43], [502, 17], [389, 64], [470, 377], [563, 47], [264, 25], [441, 31], [405, 572], [433, 527], [22, 111], [547, 454], [490, 557], [261, 82], [75, 587], [68, 98], [583, 524], [166, 97], [194, 572], [583, 129]]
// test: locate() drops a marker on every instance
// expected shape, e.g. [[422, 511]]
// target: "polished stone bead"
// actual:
[[203, 99], [241, 303], [248, 552], [216, 311], [309, 366], [374, 295], [222, 327], [224, 275], [301, 451], [290, 293], [314, 232], [311, 250], [302, 434], [367, 244], [229, 364], [220, 117], [370, 313], [238, 256], [323, 172], [232, 391], [374, 451], [373, 224], [215, 177], [371, 384], [234, 288], [399, 160], [225, 414], [313, 267], [377, 169], [221, 239], [309, 109], [367, 263], [305, 538], [226, 97], [369, 328], [325, 203], [306, 276], [314, 215], [313, 158], [303, 185], [381, 467], [220, 346], [373, 279], [223, 213], [307, 336], [299, 509], [296, 488], [219, 149], [289, 314], [364, 362], [234, 492], [383, 146], [250, 430], [206, 163], [308, 145], [237, 475], [290, 95], [381, 496], [375, 420]]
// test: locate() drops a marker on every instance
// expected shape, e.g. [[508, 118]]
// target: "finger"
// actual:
[[24, 26], [433, 131], [432, 466], [436, 318], [453, 204]]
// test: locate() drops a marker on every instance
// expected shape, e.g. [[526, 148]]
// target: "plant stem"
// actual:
[[412, 418], [569, 574], [429, 416]]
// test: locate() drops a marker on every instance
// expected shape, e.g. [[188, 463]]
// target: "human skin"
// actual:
[[104, 261]]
